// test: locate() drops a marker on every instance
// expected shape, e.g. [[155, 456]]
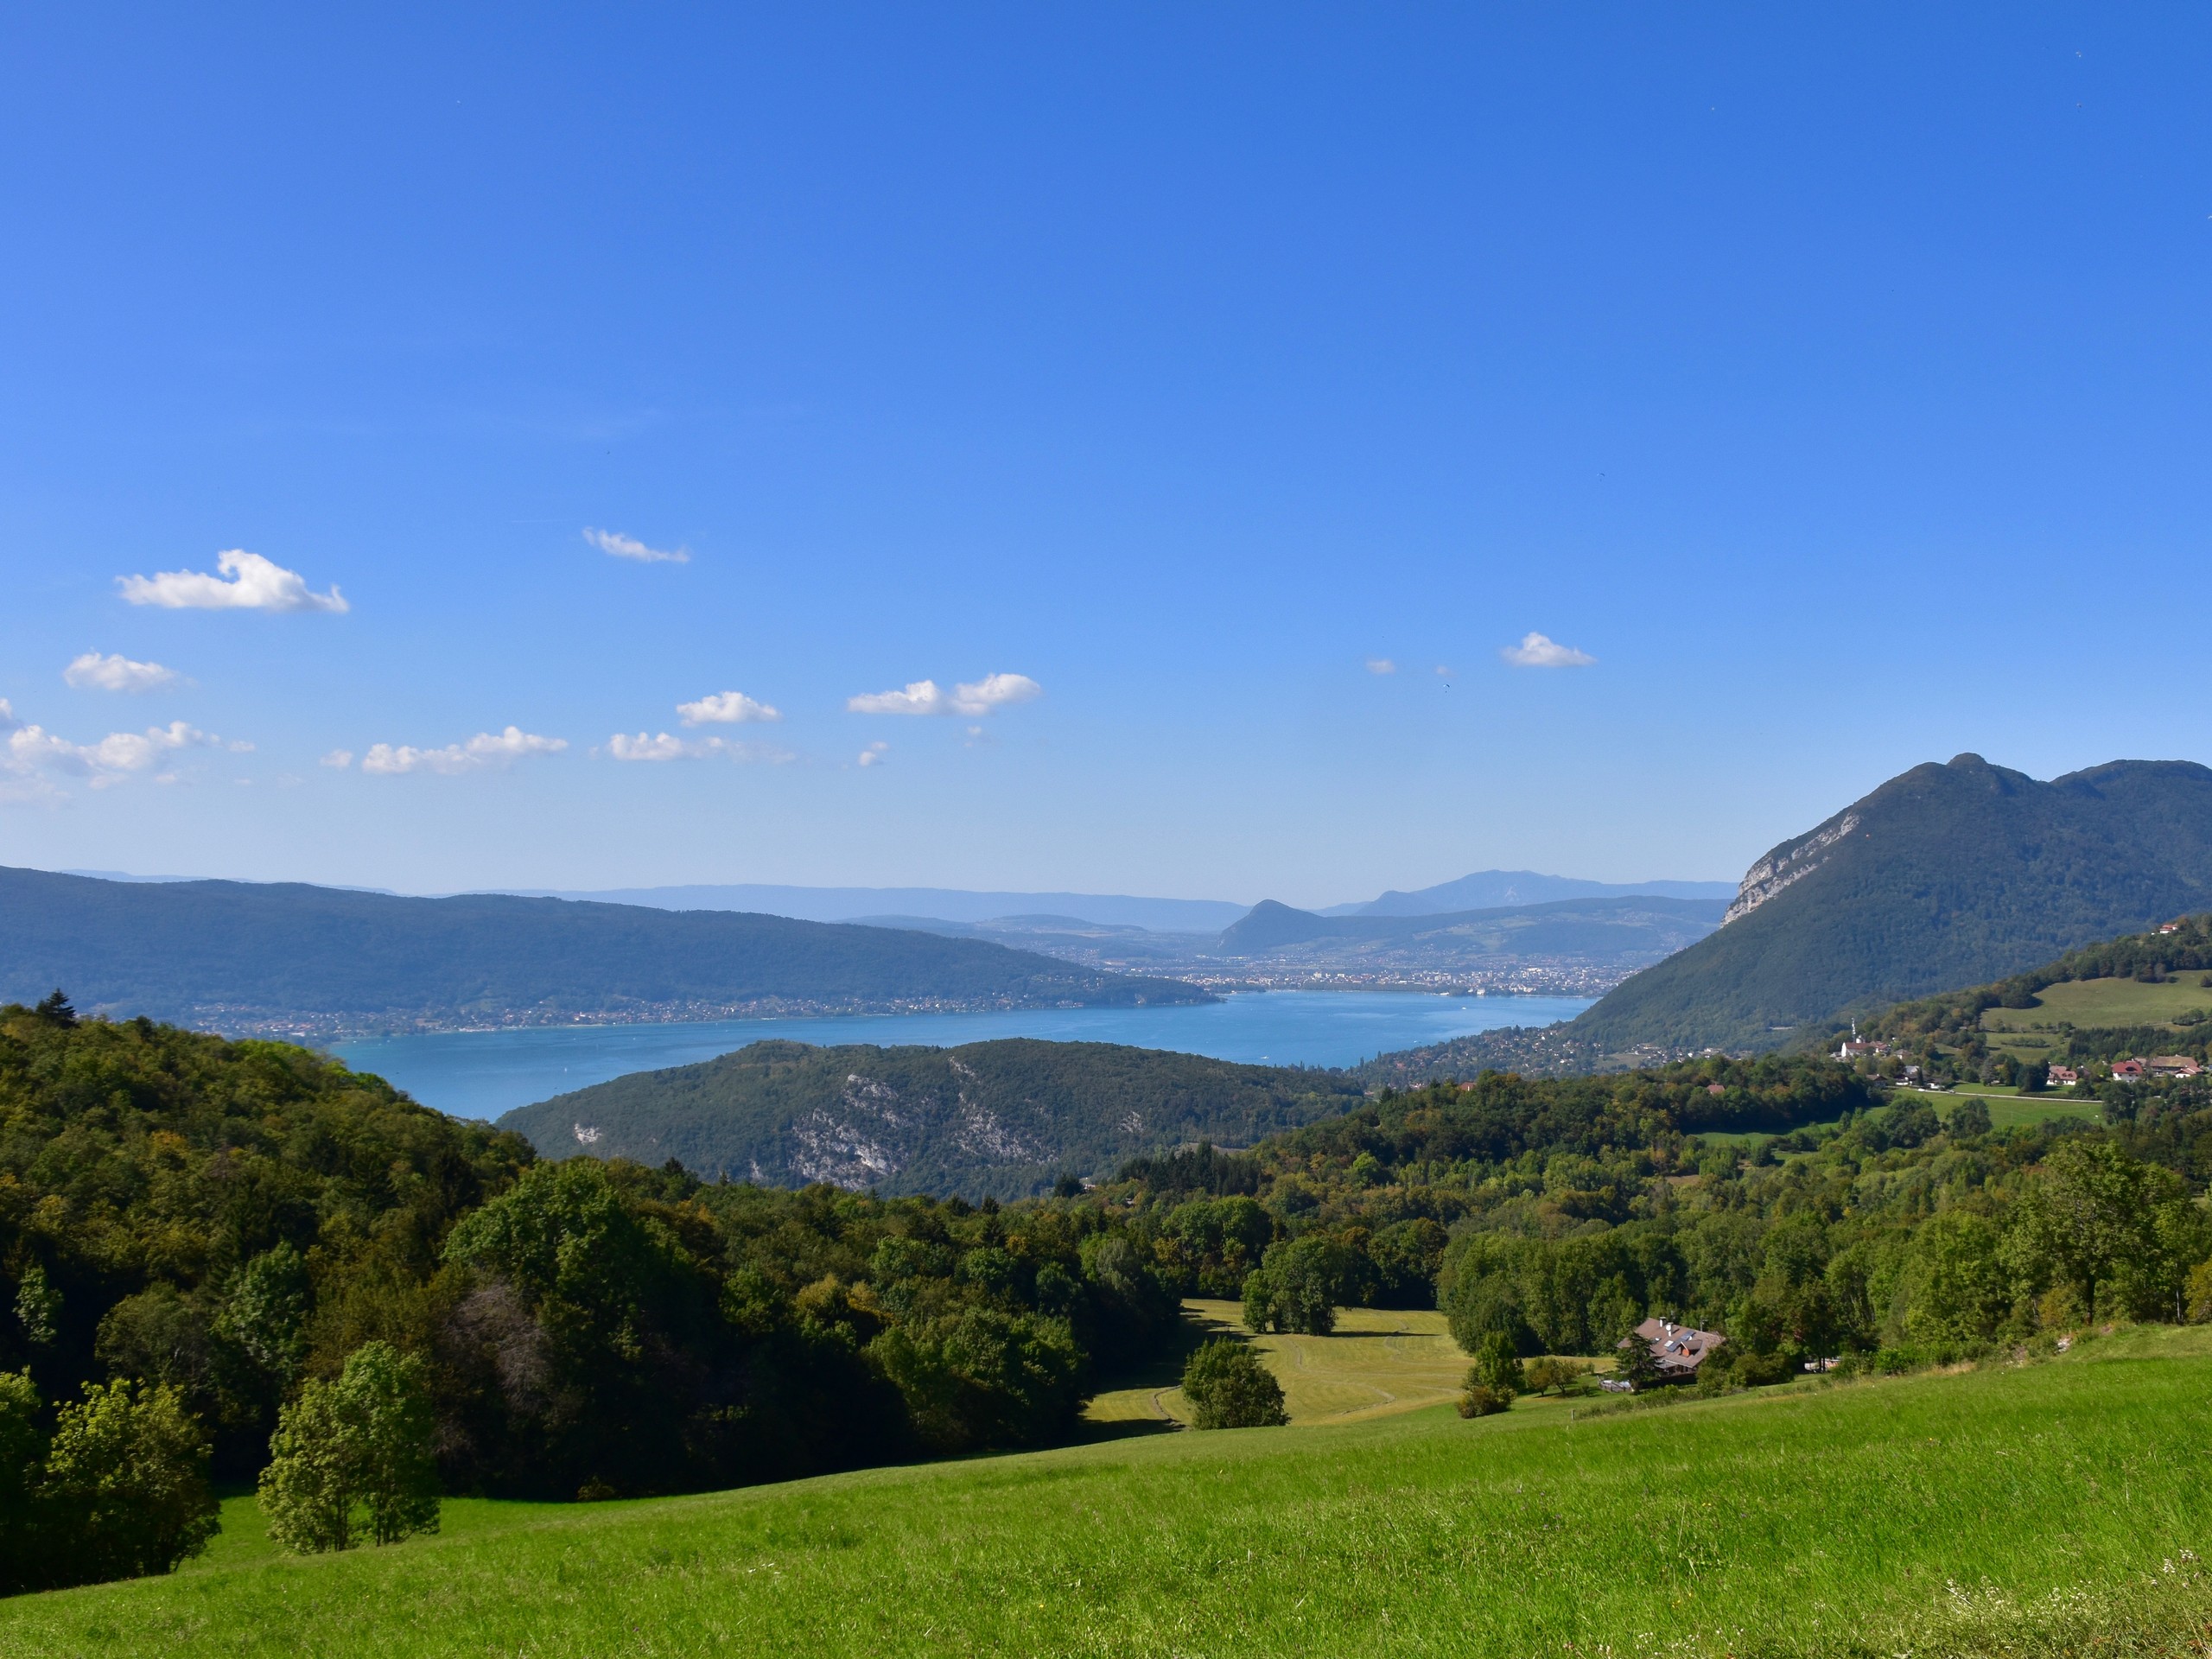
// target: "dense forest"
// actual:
[[282, 957], [1560, 1212], [213, 1221], [1003, 1119]]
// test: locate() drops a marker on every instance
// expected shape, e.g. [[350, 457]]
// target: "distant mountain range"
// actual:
[[240, 958], [910, 905], [1499, 889], [1945, 876], [1584, 927], [1000, 1119]]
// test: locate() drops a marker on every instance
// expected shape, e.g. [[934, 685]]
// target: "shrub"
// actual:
[[1482, 1400], [1759, 1371], [353, 1451], [1229, 1387]]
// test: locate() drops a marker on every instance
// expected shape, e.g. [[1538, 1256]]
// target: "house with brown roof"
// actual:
[[1676, 1349], [2171, 1065]]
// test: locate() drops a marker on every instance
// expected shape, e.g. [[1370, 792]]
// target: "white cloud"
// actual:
[[248, 583], [983, 697], [340, 758], [1381, 665], [724, 709], [118, 673], [31, 747], [874, 752], [666, 747], [614, 542], [1535, 651], [485, 749]]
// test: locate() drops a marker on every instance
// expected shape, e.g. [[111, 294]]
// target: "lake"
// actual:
[[484, 1073]]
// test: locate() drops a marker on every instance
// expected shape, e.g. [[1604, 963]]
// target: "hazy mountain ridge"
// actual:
[[1498, 889], [324, 962]]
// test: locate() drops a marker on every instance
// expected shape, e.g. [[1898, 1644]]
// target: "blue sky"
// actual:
[[1835, 385]]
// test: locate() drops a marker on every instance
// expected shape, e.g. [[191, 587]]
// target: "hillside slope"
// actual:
[[1947, 875], [1002, 1119], [246, 958]]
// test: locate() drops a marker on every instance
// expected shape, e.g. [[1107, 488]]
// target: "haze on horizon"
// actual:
[[1198, 453]]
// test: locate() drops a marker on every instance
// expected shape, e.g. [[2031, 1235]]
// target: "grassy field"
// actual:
[[1379, 1362], [2008, 1109], [2104, 1003], [2040, 1509]]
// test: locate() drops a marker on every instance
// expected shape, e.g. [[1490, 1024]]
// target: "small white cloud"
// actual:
[[617, 545], [485, 749], [663, 747], [248, 583], [92, 671], [1443, 671], [341, 759], [875, 752], [983, 697], [104, 762], [1381, 665], [724, 709], [1535, 651], [8, 721]]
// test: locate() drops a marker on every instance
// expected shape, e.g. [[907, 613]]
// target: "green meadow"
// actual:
[[2050, 1508], [2104, 1003]]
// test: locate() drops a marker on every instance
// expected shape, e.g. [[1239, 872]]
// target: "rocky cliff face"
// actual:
[[1788, 864]]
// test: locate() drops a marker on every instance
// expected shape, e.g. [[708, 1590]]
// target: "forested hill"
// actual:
[[999, 1119], [1947, 875], [247, 957]]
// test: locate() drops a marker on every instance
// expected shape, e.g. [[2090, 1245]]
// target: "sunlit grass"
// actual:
[[2028, 1510]]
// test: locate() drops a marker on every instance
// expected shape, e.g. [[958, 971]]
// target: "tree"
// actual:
[[1955, 1288], [1295, 1289], [2088, 1219], [1499, 1367], [1547, 1373], [1229, 1387], [1970, 1117], [1638, 1366], [353, 1451], [124, 1490]]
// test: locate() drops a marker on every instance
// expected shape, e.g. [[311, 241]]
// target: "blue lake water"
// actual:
[[484, 1073]]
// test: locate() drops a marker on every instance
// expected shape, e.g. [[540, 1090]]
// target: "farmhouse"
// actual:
[[2064, 1074], [2127, 1071], [1676, 1349], [2171, 1065]]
